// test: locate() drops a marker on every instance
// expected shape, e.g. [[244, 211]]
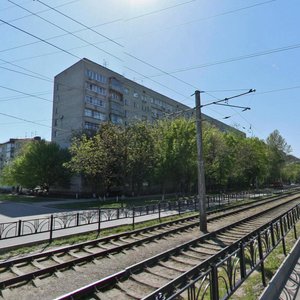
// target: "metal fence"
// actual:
[[67, 220], [220, 276]]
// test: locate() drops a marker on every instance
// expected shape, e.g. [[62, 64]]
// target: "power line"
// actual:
[[24, 120], [68, 32], [34, 122], [158, 11], [26, 74], [238, 58], [236, 112], [57, 36], [11, 63], [60, 5], [154, 67], [228, 12], [5, 99], [207, 18], [279, 90], [156, 82], [126, 53], [42, 11], [24, 93], [80, 23], [36, 37]]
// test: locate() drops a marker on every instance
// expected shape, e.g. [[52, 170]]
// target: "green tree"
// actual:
[[291, 172], [218, 157], [140, 154], [39, 164], [278, 150], [176, 154], [101, 159], [251, 162]]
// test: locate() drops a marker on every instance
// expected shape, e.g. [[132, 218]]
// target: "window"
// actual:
[[116, 119], [116, 84], [115, 96], [126, 91], [95, 88], [116, 107], [96, 76], [91, 126], [88, 112], [94, 114], [99, 116], [127, 102], [94, 101]]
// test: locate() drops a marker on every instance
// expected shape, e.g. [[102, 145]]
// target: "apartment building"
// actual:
[[87, 94], [11, 148]]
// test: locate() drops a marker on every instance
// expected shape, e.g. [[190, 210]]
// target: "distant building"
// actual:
[[87, 94], [10, 149]]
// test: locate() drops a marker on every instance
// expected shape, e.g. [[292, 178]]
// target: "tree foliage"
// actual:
[[165, 154], [278, 150], [128, 159], [39, 164], [140, 154], [176, 154]]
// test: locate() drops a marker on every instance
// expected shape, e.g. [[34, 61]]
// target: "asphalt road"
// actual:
[[10, 211]]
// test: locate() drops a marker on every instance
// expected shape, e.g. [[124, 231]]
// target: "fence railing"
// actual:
[[67, 220], [220, 276]]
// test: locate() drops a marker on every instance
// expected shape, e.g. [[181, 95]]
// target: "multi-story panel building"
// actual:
[[10, 149], [87, 94]]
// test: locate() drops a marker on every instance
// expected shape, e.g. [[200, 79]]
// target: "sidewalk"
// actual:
[[285, 284], [39, 237]]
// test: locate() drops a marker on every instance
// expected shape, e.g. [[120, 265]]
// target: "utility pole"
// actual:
[[201, 178]]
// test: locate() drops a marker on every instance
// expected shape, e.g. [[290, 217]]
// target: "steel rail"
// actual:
[[110, 281], [104, 252], [228, 211], [182, 281]]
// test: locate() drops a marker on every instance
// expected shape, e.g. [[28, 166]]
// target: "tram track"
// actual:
[[144, 278], [21, 270]]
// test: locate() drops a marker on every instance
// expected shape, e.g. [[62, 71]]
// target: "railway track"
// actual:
[[142, 280], [21, 270]]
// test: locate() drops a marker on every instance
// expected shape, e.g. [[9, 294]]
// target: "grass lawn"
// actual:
[[86, 203], [21, 198], [78, 238], [252, 288]]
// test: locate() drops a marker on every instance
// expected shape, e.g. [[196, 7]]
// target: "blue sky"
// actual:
[[173, 46]]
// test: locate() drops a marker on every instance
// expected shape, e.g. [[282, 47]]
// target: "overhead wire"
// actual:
[[67, 31], [24, 93], [166, 73], [41, 11], [233, 59], [80, 23], [158, 10], [236, 112], [36, 37], [12, 98]]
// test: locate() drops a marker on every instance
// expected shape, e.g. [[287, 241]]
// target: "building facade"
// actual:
[[87, 94]]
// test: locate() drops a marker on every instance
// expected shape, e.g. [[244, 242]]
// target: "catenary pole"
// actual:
[[201, 178]]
